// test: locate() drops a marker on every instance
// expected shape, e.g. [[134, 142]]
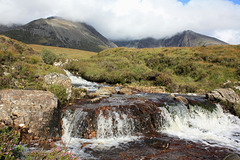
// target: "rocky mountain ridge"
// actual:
[[55, 31], [184, 39]]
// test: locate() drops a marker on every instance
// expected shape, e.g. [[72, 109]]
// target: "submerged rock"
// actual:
[[34, 110], [157, 143], [182, 100]]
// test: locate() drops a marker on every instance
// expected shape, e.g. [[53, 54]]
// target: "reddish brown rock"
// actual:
[[35, 110]]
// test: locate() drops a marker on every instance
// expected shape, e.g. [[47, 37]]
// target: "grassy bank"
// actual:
[[21, 66], [187, 69]]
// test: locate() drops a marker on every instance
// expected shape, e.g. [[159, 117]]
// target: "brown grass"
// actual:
[[66, 52]]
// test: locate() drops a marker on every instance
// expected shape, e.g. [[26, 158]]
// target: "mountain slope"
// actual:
[[184, 39], [61, 33]]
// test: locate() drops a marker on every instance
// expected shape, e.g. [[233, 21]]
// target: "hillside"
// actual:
[[67, 53], [181, 69], [21, 66], [184, 39], [58, 32]]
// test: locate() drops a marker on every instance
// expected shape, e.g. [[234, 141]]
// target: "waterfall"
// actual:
[[114, 125], [197, 124]]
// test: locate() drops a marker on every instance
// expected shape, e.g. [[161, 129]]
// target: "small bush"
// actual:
[[48, 56], [59, 92]]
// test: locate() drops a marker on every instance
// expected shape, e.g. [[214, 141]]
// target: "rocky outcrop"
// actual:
[[59, 79], [224, 94], [228, 97], [36, 111]]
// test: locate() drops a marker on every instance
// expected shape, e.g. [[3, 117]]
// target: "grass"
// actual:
[[65, 52], [185, 69]]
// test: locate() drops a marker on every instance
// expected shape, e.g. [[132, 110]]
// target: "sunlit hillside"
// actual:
[[186, 69], [66, 52]]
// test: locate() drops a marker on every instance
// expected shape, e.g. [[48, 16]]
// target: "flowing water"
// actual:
[[114, 129]]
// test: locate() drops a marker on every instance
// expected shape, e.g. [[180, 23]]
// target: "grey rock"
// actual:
[[224, 94], [36, 110]]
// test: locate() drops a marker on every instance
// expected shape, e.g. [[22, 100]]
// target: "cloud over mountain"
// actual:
[[134, 19]]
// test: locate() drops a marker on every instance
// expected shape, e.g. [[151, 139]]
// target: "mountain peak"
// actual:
[[186, 38], [56, 31]]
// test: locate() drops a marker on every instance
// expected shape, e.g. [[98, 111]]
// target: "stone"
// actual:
[[92, 95], [128, 91], [106, 91], [96, 100], [36, 110], [182, 100], [223, 94], [60, 79]]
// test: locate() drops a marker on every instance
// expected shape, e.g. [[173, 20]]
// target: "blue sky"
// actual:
[[135, 19], [234, 1]]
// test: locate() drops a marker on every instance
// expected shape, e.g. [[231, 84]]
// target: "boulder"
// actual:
[[182, 100], [60, 79], [128, 91], [37, 111], [106, 91], [223, 94]]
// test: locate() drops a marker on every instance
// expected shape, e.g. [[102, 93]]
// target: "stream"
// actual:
[[148, 126]]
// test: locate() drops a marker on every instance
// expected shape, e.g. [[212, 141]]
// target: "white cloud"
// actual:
[[134, 18], [230, 36]]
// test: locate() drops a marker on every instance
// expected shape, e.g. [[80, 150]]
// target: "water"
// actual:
[[199, 125], [79, 82], [115, 128]]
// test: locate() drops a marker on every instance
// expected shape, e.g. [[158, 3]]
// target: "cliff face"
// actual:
[[183, 39], [61, 33]]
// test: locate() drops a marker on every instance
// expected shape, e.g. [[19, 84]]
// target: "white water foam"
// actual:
[[113, 130], [197, 124], [82, 83]]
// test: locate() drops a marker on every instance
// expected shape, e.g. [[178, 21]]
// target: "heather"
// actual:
[[11, 150]]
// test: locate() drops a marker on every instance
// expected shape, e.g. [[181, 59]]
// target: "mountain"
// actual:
[[59, 32], [184, 39]]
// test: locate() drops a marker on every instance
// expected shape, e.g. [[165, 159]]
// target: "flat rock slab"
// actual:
[[32, 109]]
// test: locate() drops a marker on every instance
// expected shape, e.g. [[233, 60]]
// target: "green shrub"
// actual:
[[59, 92], [48, 56]]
